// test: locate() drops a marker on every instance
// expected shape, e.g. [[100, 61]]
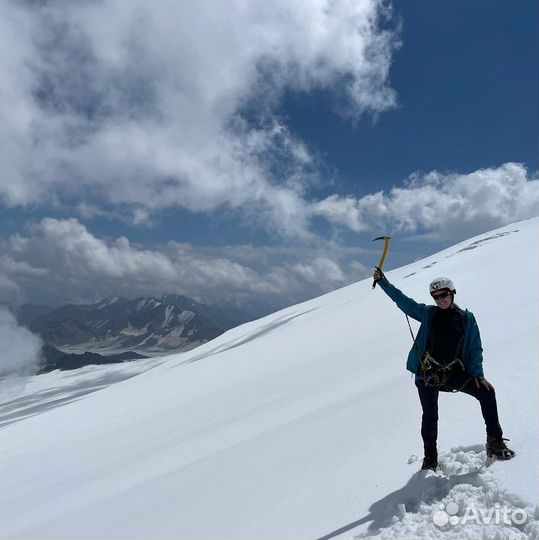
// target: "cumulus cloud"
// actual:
[[58, 260], [61, 261], [151, 105], [447, 206], [19, 348]]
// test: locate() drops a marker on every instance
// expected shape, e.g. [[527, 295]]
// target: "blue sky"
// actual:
[[467, 82], [253, 155]]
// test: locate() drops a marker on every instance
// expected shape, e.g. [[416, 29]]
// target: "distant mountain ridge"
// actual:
[[52, 359], [116, 324]]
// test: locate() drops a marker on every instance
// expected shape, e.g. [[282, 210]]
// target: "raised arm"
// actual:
[[404, 303]]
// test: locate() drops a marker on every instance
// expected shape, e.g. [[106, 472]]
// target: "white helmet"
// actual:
[[442, 283]]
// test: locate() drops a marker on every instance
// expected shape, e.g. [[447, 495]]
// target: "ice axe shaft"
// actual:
[[384, 254]]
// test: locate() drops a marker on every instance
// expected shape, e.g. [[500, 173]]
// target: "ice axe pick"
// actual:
[[384, 254]]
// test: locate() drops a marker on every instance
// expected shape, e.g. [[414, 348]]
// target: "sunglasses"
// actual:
[[440, 296]]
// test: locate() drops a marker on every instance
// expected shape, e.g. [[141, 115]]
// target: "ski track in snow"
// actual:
[[24, 397]]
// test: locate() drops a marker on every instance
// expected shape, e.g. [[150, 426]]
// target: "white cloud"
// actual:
[[320, 269], [136, 103], [60, 261], [449, 206], [19, 348]]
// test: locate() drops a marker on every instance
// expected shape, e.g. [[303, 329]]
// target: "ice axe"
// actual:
[[384, 254]]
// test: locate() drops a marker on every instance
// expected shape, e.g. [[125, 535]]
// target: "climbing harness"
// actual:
[[434, 373]]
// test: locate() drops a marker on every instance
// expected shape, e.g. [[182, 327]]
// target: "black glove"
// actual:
[[378, 274]]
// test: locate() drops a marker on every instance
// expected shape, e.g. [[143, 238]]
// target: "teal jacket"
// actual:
[[472, 350]]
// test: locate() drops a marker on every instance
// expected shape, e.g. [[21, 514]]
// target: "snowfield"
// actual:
[[303, 424]]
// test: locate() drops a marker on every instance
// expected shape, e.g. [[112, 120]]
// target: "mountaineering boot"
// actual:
[[430, 463], [497, 447]]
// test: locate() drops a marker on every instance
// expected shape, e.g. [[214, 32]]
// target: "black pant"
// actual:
[[429, 402]]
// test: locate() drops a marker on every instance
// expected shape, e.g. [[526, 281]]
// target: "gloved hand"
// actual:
[[483, 382], [378, 274]]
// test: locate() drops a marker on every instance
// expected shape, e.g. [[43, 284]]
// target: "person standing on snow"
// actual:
[[447, 356]]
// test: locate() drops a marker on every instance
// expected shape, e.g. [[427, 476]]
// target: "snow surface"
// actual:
[[108, 302], [303, 424], [147, 303]]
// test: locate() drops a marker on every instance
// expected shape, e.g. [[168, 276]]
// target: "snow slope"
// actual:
[[303, 424]]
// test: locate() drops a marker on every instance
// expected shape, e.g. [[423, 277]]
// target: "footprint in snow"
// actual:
[[462, 499]]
